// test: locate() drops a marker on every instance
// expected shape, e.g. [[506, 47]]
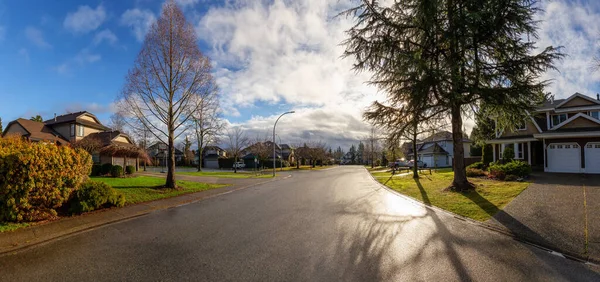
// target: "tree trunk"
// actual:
[[460, 182], [415, 153], [235, 160], [171, 162]]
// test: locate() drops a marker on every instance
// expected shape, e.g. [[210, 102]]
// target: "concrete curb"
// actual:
[[21, 239], [551, 249]]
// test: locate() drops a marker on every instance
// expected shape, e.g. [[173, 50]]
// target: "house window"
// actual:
[[72, 130], [559, 146], [557, 119], [552, 147], [522, 126], [597, 146], [567, 146], [96, 158], [79, 130], [595, 114]]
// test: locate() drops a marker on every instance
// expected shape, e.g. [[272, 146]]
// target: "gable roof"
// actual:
[[108, 138], [440, 136], [37, 131], [76, 117], [577, 95], [569, 120], [433, 149]]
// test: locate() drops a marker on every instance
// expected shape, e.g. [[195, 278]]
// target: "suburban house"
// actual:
[[211, 155], [287, 153], [561, 135], [437, 150], [158, 153], [80, 129]]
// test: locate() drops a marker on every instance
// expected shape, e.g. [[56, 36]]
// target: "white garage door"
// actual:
[[592, 158], [564, 157], [428, 160]]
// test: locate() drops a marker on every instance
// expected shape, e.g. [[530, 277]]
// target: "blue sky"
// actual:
[[269, 56]]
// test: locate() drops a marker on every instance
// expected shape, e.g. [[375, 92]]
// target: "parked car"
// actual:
[[419, 163], [398, 163], [239, 165]]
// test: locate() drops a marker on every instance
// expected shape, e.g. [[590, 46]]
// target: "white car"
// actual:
[[239, 165]]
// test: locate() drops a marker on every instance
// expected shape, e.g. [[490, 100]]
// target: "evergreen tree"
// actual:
[[360, 153], [353, 154], [447, 56]]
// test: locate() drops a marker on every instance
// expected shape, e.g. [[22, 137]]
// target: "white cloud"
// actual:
[[574, 26], [85, 56], [36, 37], [289, 53], [139, 21], [62, 68], [85, 19], [105, 35], [25, 54]]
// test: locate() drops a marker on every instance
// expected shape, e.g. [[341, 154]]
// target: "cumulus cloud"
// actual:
[[572, 25], [139, 21], [85, 19], [105, 35], [36, 37], [82, 58], [289, 52]]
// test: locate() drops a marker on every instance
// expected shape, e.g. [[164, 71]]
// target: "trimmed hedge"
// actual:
[[488, 154], [476, 165], [106, 169], [130, 169], [96, 169], [38, 178], [508, 154], [516, 168], [116, 171], [474, 172], [93, 195]]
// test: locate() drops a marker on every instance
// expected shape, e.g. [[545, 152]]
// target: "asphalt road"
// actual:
[[333, 225]]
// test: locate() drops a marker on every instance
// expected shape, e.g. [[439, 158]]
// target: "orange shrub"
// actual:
[[38, 178]]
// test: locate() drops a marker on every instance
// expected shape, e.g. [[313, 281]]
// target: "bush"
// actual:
[[96, 169], [116, 171], [475, 172], [106, 169], [93, 195], [38, 178], [511, 177], [488, 154], [477, 165], [516, 168], [508, 154], [130, 169]]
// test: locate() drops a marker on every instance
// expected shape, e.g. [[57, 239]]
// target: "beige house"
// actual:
[[80, 128], [560, 136]]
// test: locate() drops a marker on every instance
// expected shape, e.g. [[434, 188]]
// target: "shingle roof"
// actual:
[[106, 138], [433, 149], [441, 136], [550, 104], [38, 131], [73, 117]]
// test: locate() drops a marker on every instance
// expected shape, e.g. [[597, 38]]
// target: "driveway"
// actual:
[[557, 210]]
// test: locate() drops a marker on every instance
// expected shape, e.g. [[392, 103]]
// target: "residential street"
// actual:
[[331, 225]]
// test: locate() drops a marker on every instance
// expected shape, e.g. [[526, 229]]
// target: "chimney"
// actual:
[[54, 116], [597, 96]]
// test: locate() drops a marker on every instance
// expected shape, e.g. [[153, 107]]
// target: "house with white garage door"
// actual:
[[437, 150], [561, 135]]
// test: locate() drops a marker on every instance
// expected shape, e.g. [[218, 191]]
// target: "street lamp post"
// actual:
[[274, 154]]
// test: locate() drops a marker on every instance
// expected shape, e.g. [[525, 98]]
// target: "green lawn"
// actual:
[[227, 174], [144, 188], [489, 197], [10, 226]]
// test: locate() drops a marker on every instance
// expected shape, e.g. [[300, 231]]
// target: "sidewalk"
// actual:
[[44, 232]]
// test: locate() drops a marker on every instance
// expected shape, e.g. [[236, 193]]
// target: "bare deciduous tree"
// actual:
[[206, 120], [236, 140], [167, 74]]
